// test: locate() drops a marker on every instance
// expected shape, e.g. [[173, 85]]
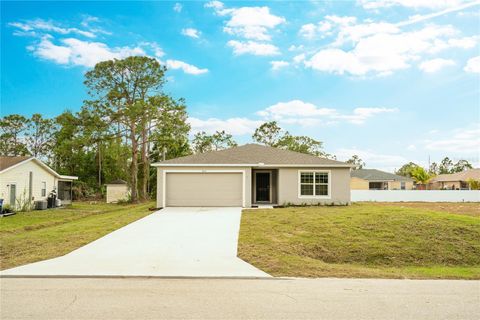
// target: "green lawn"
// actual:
[[38, 235], [362, 240]]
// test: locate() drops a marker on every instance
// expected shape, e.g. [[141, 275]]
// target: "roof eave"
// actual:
[[159, 164], [62, 177]]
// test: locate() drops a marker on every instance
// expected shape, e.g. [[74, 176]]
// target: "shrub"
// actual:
[[473, 184]]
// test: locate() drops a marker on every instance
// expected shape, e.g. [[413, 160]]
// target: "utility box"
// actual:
[[117, 191], [41, 205]]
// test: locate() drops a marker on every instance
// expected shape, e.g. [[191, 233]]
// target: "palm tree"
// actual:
[[420, 175]]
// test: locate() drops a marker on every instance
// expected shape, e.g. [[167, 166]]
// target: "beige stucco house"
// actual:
[[251, 175], [373, 179], [454, 181], [24, 178]]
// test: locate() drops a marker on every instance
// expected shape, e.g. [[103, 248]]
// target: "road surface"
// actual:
[[154, 298]]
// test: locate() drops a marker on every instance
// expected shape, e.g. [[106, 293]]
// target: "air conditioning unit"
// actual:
[[41, 205]]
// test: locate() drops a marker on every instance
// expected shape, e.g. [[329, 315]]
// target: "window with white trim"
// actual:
[[44, 188], [314, 183]]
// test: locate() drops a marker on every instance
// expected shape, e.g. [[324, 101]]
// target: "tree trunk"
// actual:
[[134, 166], [144, 163], [99, 147]]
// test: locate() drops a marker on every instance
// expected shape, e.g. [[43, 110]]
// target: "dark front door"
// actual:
[[263, 186]]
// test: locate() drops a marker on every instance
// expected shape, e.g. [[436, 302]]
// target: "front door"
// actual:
[[13, 194], [262, 180]]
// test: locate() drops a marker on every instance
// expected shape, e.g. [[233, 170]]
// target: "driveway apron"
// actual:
[[176, 242]]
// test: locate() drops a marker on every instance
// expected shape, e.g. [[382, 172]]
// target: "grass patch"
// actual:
[[38, 235], [362, 240]]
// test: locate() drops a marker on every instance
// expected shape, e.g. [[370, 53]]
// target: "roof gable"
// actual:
[[252, 155], [8, 163], [377, 175]]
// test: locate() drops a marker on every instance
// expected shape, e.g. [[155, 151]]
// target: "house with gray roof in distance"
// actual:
[[373, 179], [251, 175]]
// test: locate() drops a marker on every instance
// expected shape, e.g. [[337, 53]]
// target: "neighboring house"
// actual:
[[117, 190], [251, 175], [454, 181], [372, 179], [24, 178]]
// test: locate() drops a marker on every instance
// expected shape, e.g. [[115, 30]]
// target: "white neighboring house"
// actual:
[[23, 178]]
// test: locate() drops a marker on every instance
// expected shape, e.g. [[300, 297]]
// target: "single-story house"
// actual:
[[117, 190], [28, 178], [251, 175], [373, 179], [454, 181]]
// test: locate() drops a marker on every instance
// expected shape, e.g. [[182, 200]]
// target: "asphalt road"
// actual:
[[154, 298]]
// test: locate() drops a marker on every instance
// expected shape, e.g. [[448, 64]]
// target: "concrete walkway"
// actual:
[[191, 242]]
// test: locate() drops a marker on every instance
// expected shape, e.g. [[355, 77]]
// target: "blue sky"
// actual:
[[390, 80]]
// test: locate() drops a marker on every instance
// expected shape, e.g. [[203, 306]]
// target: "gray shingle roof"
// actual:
[[253, 154], [377, 175]]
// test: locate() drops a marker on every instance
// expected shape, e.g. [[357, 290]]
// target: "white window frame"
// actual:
[[299, 183], [164, 181], [44, 184]]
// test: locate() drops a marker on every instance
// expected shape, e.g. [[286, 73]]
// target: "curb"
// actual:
[[138, 277]]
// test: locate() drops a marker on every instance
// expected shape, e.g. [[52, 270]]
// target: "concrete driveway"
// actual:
[[171, 242]]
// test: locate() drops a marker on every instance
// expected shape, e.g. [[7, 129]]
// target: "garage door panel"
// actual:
[[204, 189]]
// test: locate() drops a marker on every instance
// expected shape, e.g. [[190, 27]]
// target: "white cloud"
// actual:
[[308, 30], [435, 65], [248, 22], [296, 48], [157, 50], [278, 64], [412, 147], [325, 27], [191, 32], [81, 53], [473, 65], [217, 5], [304, 113], [177, 7], [185, 67], [252, 47], [360, 115], [459, 141], [383, 53], [416, 4], [87, 20], [299, 58], [84, 53], [49, 26], [457, 6], [373, 159], [235, 126]]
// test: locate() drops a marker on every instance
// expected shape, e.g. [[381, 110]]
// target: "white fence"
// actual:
[[416, 195]]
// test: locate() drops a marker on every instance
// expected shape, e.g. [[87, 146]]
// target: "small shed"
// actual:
[[117, 190]]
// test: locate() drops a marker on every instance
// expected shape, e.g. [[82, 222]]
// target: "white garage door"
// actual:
[[204, 189]]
